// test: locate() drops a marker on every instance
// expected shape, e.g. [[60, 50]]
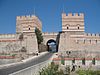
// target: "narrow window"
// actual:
[[90, 41], [67, 27], [78, 27], [29, 28]]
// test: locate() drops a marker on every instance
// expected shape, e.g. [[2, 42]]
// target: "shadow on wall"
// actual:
[[42, 48]]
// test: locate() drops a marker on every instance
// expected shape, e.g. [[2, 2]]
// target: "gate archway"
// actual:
[[51, 45]]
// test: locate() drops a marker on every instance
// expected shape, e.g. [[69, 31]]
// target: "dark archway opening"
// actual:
[[51, 46]]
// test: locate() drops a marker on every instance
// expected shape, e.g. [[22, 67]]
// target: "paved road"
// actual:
[[14, 68]]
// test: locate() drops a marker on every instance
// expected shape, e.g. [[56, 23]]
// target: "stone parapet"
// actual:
[[74, 15], [49, 33], [27, 17], [92, 35], [3, 36], [73, 22]]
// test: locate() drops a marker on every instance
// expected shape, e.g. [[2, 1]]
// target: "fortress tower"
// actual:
[[73, 38], [27, 24], [73, 23]]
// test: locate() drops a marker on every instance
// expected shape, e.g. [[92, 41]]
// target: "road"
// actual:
[[14, 68]]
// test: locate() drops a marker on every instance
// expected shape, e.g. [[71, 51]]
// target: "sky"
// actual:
[[49, 12]]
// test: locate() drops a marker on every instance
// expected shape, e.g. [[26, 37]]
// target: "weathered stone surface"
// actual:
[[73, 37]]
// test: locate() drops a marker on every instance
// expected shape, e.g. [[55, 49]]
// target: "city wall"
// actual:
[[87, 45]]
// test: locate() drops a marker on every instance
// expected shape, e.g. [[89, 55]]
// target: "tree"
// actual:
[[62, 60], [73, 61], [88, 72], [39, 36], [93, 61], [83, 61], [52, 69]]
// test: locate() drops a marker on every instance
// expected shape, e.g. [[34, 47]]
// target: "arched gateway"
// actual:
[[51, 41], [51, 45]]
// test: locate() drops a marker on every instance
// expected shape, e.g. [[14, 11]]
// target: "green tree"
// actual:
[[83, 61], [39, 36], [88, 72], [93, 61], [52, 69], [62, 60], [73, 61]]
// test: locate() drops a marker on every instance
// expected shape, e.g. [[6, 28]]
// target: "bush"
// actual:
[[52, 69], [13, 55], [88, 72]]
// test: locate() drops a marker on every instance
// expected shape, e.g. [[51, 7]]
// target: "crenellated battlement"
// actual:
[[3, 36], [26, 17], [73, 15], [27, 23], [49, 33], [92, 34], [71, 20]]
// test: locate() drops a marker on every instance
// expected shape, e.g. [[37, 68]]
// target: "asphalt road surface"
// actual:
[[14, 68]]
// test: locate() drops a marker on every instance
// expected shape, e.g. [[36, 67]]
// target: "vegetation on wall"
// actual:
[[39, 36]]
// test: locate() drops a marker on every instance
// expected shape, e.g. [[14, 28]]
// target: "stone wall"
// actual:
[[73, 22], [75, 40], [11, 42], [48, 36], [80, 45], [30, 42]]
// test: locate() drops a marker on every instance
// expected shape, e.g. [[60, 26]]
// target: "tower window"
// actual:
[[67, 27], [78, 27], [29, 29]]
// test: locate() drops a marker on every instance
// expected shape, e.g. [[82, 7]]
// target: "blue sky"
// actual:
[[49, 12]]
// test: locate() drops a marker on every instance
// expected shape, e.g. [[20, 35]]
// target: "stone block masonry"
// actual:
[[73, 37]]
